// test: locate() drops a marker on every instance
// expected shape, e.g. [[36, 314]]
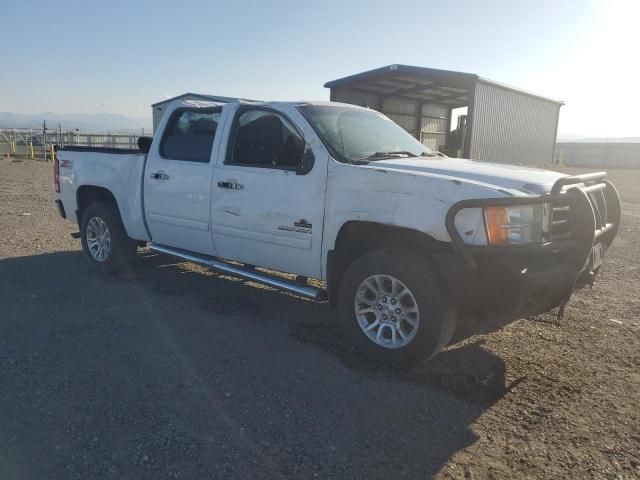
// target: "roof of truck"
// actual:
[[200, 100], [198, 96], [199, 103], [209, 103]]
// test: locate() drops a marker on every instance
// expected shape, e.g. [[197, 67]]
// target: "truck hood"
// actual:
[[500, 175]]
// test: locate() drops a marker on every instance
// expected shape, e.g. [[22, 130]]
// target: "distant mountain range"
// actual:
[[87, 122]]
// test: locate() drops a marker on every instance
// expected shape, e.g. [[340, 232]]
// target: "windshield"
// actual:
[[355, 135]]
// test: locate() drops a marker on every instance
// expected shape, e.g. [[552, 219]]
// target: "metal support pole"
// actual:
[[468, 137], [44, 139]]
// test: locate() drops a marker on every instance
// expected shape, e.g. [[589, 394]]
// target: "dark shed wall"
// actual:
[[512, 127], [356, 97], [428, 122]]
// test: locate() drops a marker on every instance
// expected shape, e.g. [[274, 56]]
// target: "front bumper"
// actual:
[[527, 280], [513, 282]]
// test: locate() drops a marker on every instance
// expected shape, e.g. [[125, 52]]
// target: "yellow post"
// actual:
[[52, 154], [13, 147]]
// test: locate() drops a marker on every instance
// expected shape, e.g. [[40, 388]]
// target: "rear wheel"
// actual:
[[104, 240], [395, 308]]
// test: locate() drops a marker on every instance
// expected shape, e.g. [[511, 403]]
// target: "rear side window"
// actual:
[[189, 135], [263, 138]]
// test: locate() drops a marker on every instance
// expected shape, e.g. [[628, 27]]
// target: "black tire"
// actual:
[[437, 315], [122, 249]]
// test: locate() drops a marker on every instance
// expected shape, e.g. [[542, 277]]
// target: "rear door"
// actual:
[[266, 209], [177, 180]]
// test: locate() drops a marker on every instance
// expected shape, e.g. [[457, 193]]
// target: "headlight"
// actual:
[[514, 225], [517, 225]]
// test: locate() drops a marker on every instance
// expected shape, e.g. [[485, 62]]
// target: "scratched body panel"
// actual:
[[414, 200]]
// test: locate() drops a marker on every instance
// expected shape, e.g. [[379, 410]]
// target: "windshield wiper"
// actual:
[[432, 154], [378, 155]]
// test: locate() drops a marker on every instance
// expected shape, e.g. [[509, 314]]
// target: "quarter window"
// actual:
[[263, 138], [189, 135]]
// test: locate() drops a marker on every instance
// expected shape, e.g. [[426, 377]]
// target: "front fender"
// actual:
[[416, 201]]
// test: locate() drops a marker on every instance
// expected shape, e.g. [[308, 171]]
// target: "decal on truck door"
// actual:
[[301, 226], [302, 223]]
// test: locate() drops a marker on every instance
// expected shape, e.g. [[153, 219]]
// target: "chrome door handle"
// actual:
[[231, 184], [159, 176]]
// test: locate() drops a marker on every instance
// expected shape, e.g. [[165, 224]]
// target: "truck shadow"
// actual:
[[182, 353]]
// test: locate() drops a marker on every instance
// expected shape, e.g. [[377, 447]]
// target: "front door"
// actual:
[[266, 211], [177, 183]]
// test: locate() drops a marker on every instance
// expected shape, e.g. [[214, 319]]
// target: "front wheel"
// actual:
[[104, 240], [395, 308]]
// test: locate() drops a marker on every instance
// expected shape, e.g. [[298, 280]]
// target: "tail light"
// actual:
[[56, 173]]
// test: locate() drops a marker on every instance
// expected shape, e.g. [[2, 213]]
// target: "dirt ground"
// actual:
[[170, 371]]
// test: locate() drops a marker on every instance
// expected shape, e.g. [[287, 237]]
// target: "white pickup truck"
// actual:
[[404, 239]]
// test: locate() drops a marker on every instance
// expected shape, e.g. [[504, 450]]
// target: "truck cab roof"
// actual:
[[194, 103]]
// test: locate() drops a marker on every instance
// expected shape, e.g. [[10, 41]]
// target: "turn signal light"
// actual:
[[497, 222]]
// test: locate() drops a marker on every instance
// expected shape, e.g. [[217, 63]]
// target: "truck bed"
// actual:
[[114, 150], [119, 170], [143, 147]]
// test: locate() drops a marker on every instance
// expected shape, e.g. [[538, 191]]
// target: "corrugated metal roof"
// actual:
[[519, 90], [397, 69], [447, 87]]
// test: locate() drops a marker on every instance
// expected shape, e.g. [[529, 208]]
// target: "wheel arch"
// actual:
[[355, 238], [88, 194]]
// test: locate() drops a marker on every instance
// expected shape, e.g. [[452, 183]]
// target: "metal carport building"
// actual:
[[503, 123]]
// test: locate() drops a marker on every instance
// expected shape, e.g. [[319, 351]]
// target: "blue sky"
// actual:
[[121, 56]]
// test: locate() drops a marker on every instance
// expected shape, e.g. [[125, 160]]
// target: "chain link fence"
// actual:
[[33, 143]]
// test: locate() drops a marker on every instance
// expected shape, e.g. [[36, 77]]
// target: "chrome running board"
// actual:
[[221, 266]]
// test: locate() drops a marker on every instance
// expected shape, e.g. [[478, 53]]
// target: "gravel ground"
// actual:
[[170, 371]]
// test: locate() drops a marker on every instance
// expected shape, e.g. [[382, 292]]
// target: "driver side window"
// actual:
[[263, 138]]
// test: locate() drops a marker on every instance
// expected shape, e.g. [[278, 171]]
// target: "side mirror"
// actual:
[[144, 144], [306, 164]]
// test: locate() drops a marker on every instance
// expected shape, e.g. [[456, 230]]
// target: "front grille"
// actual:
[[561, 218], [560, 221]]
